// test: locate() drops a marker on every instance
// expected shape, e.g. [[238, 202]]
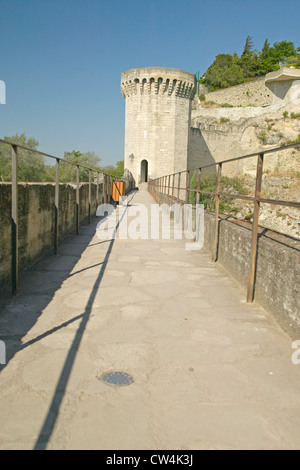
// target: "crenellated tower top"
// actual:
[[158, 81]]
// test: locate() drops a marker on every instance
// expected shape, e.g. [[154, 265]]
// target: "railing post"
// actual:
[[104, 188], [14, 221], [217, 210], [77, 200], [56, 208], [187, 185], [169, 182], [252, 269], [97, 190], [109, 189], [178, 193], [173, 183], [198, 185], [90, 194]]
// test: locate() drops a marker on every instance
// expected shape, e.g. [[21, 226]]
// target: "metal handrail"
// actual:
[[162, 185], [106, 189], [52, 156]]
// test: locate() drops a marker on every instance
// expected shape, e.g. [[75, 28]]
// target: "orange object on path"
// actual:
[[118, 190]]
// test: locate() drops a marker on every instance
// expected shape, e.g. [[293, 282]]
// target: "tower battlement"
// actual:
[[158, 80]]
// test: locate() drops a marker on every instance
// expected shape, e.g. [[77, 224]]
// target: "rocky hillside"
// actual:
[[230, 132], [281, 219]]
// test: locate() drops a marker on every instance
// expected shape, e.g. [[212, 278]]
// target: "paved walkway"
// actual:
[[210, 371]]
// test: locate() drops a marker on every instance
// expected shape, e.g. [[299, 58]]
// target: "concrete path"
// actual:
[[210, 371]]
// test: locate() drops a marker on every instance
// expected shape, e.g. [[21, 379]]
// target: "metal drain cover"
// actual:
[[118, 379]]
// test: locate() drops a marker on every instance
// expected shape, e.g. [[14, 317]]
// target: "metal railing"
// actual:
[[106, 194], [165, 185]]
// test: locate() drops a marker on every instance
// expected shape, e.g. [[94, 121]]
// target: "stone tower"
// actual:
[[157, 120]]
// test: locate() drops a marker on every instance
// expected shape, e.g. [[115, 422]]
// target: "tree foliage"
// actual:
[[32, 166], [231, 69], [248, 48], [208, 182], [67, 172], [224, 72], [117, 170]]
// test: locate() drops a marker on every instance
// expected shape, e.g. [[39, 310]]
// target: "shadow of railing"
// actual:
[[37, 288], [48, 425]]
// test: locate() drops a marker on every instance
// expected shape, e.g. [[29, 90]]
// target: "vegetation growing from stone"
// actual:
[[32, 166], [213, 104], [232, 69], [292, 115], [208, 182], [292, 141], [223, 120], [278, 183]]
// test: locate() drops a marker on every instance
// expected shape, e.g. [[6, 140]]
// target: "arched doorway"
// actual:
[[144, 171]]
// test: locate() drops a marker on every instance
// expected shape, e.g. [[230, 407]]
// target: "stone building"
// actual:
[[157, 120]]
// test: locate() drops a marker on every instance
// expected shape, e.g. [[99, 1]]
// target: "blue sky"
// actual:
[[61, 60]]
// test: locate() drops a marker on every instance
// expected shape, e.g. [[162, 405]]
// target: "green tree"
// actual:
[[208, 182], [265, 58], [279, 53], [225, 71], [230, 69], [250, 65], [249, 61], [248, 48], [68, 172], [5, 162], [117, 170], [31, 165], [282, 50], [293, 59], [265, 52]]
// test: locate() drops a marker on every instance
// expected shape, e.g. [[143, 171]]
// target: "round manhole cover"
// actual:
[[118, 379]]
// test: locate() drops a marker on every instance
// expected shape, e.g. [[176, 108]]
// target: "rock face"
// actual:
[[280, 219], [157, 120], [223, 129]]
